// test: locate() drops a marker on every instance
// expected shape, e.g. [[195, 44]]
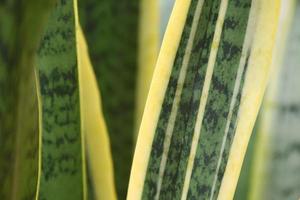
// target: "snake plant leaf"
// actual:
[[148, 46], [62, 161], [165, 9], [70, 113], [21, 25], [114, 58], [154, 16], [245, 178], [277, 158], [205, 94], [254, 176], [94, 128]]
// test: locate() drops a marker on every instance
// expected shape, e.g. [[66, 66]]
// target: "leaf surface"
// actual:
[[205, 94]]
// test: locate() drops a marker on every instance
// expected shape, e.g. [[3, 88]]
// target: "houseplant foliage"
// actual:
[[193, 93], [272, 160], [75, 76], [276, 159], [21, 24], [114, 59]]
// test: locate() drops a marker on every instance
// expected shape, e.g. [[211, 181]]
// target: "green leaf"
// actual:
[[111, 30], [21, 25], [62, 174], [100, 168], [204, 98], [244, 182], [72, 125]]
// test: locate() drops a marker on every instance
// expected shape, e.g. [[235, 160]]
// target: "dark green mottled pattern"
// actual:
[[21, 23], [62, 162], [218, 104], [217, 108], [231, 131], [189, 104], [150, 184], [190, 99], [111, 30]]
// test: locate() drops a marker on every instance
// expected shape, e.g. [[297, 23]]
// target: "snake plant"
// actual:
[[103, 99]]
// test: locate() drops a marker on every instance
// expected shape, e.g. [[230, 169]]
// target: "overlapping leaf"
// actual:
[[21, 25]]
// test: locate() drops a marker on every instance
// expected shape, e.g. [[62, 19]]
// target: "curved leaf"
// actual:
[[94, 128], [62, 173], [111, 31], [204, 98]]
